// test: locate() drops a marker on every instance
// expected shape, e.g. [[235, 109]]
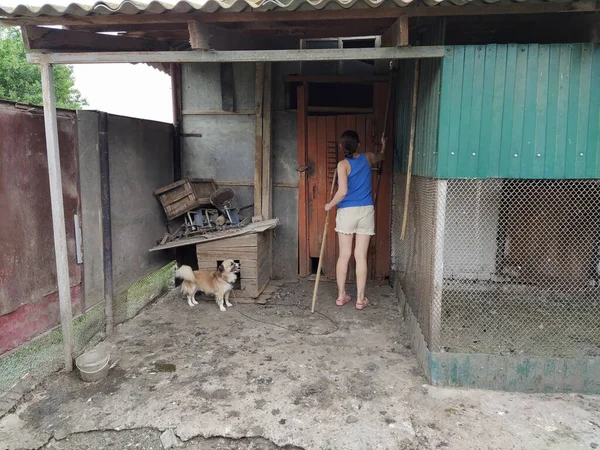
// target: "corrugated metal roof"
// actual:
[[209, 6]]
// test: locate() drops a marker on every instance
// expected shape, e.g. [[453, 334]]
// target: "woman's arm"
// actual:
[[342, 176], [375, 158]]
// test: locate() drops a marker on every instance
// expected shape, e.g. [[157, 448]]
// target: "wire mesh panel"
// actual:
[[521, 268], [417, 259]]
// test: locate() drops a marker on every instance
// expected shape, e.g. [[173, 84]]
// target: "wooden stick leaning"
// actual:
[[314, 298], [411, 149], [383, 134]]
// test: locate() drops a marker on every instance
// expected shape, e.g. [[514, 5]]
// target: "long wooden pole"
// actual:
[[314, 298], [58, 213], [385, 119], [411, 148]]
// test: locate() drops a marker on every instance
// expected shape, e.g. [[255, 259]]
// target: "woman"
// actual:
[[355, 213]]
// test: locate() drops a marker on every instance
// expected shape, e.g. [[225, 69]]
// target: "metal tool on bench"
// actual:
[[202, 217], [222, 199]]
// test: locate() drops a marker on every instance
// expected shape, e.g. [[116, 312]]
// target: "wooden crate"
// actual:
[[184, 195], [252, 251]]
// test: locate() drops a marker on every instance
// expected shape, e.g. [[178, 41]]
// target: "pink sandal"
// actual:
[[362, 305], [344, 301]]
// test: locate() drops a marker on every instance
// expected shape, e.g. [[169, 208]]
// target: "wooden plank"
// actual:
[[342, 79], [173, 196], [329, 265], [403, 40], [258, 143], [58, 214], [249, 240], [339, 109], [267, 176], [258, 227], [205, 263], [169, 187], [38, 38], [312, 185], [397, 34], [254, 273], [321, 181], [334, 54], [227, 91], [301, 123], [227, 254], [217, 112]]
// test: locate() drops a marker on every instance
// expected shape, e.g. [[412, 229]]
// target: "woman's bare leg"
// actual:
[[341, 270], [360, 255]]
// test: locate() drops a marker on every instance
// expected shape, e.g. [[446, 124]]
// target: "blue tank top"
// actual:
[[359, 183]]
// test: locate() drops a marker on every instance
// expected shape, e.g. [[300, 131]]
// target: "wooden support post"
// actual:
[[201, 35], [58, 214], [402, 25], [395, 36], [303, 263], [258, 146], [177, 119], [267, 178], [435, 321]]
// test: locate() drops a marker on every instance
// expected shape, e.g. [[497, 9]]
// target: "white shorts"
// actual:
[[356, 220]]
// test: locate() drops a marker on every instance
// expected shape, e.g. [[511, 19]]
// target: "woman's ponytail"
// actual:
[[349, 143]]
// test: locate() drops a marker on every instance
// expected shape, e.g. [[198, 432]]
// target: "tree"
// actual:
[[21, 82]]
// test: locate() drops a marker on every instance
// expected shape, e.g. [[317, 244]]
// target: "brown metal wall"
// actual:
[[28, 299]]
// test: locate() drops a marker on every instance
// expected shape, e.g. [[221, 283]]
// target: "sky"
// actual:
[[134, 90]]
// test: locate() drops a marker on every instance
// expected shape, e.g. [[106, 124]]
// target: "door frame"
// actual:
[[380, 96]]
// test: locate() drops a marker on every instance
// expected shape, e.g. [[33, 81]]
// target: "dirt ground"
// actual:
[[277, 376], [522, 321]]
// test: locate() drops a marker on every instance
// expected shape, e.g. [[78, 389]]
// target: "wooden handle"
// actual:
[[314, 298], [411, 149]]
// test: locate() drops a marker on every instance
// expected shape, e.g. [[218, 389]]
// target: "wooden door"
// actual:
[[321, 154]]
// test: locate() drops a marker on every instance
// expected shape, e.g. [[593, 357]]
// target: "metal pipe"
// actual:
[[106, 220]]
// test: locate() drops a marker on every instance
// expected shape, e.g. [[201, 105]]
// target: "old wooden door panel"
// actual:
[[321, 154]]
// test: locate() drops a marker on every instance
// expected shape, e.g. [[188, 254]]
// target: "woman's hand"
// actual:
[[328, 207]]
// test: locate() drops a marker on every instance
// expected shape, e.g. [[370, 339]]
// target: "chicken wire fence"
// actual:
[[45, 354], [505, 267]]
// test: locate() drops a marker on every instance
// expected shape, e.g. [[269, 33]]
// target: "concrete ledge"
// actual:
[[502, 373]]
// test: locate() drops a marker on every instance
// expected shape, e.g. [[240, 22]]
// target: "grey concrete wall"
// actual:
[[285, 194], [225, 152], [91, 208], [141, 161]]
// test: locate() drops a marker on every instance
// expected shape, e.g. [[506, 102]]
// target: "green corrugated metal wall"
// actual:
[[506, 111], [424, 159]]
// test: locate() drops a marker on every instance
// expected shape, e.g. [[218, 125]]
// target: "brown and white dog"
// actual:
[[218, 283]]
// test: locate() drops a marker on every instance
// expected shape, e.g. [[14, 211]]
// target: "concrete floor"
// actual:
[[279, 377]]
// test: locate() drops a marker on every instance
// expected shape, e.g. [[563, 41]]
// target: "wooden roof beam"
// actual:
[[353, 54], [205, 36], [39, 38], [397, 34]]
